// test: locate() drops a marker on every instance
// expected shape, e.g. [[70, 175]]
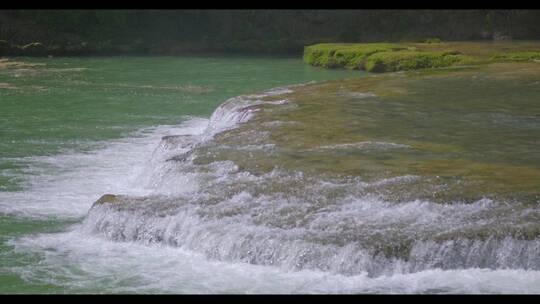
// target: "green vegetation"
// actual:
[[413, 60], [109, 32], [351, 56], [381, 57], [384, 57]]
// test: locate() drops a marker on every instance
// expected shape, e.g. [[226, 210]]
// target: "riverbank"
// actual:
[[392, 57]]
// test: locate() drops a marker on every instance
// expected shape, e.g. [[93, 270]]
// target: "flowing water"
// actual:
[[226, 176]]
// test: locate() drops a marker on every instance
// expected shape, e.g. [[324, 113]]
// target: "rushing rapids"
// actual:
[[262, 186]]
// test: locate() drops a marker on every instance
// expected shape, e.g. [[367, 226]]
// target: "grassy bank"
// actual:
[[391, 57]]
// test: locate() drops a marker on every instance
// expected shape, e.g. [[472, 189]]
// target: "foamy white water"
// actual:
[[66, 185], [84, 263]]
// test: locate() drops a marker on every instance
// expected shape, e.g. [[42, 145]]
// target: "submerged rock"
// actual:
[[181, 157], [107, 199], [176, 141]]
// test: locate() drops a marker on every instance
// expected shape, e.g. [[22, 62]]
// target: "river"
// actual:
[[232, 178]]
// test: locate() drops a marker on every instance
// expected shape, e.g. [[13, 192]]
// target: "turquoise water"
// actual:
[[71, 103], [71, 127]]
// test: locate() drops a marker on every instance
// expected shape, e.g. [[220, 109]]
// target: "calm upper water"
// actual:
[[382, 184]]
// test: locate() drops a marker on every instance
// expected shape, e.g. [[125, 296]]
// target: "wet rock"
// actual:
[[176, 141], [35, 48], [107, 199], [181, 157]]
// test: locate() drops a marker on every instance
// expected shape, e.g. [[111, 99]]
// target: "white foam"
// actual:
[[240, 109], [81, 263], [66, 185]]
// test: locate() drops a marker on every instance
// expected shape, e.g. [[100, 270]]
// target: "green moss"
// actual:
[[432, 53], [352, 56], [413, 60], [517, 56], [379, 57]]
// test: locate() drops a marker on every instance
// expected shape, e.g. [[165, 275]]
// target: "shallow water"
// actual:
[[400, 183]]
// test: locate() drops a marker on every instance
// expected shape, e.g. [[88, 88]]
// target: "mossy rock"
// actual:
[[107, 199], [352, 56], [413, 60], [430, 53], [380, 57]]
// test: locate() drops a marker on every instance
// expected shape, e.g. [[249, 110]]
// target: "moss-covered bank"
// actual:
[[386, 57], [465, 133]]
